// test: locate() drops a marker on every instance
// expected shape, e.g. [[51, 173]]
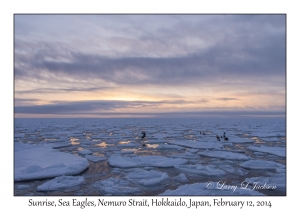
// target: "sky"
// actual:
[[149, 65]]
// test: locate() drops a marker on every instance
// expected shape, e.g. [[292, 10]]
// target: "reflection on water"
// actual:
[[74, 141], [104, 145], [124, 142], [257, 140], [153, 146]]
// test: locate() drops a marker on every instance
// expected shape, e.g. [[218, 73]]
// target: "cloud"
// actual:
[[61, 90], [219, 57], [236, 47], [214, 64], [65, 107], [25, 101], [227, 99]]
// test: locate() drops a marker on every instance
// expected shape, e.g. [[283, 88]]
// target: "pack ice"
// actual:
[[39, 162]]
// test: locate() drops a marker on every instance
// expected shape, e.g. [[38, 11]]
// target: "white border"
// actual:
[[8, 8]]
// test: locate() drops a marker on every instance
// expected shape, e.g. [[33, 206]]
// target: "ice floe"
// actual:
[[19, 135], [181, 178], [209, 170], [95, 159], [39, 162], [261, 164], [227, 168], [147, 178], [197, 144], [156, 141], [238, 140], [279, 151], [224, 155], [61, 183], [186, 155], [59, 145], [128, 145], [158, 161], [115, 186], [167, 146], [85, 152], [23, 187]]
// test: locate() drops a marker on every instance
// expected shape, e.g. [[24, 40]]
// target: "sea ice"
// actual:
[[181, 178], [95, 159], [238, 140], [19, 135], [227, 168], [86, 142], [198, 144], [209, 170], [158, 161], [23, 187], [128, 145], [85, 152], [159, 136], [39, 162], [279, 151], [270, 139], [186, 155], [61, 183], [193, 150], [58, 145], [224, 155], [155, 141], [209, 189], [261, 164], [170, 147], [115, 186], [147, 178]]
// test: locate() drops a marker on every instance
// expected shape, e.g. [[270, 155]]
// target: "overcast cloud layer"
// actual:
[[68, 64]]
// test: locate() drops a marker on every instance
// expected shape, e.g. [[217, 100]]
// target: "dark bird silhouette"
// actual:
[[144, 134], [225, 138], [218, 137]]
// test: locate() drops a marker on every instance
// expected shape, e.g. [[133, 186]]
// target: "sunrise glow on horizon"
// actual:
[[148, 65]]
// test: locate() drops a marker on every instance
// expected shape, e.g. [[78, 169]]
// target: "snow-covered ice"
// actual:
[[208, 170], [85, 152], [224, 155], [239, 140], [261, 164], [95, 159], [181, 178], [115, 186], [279, 151], [147, 178], [59, 145], [167, 146], [39, 162], [158, 161], [197, 144], [61, 183]]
